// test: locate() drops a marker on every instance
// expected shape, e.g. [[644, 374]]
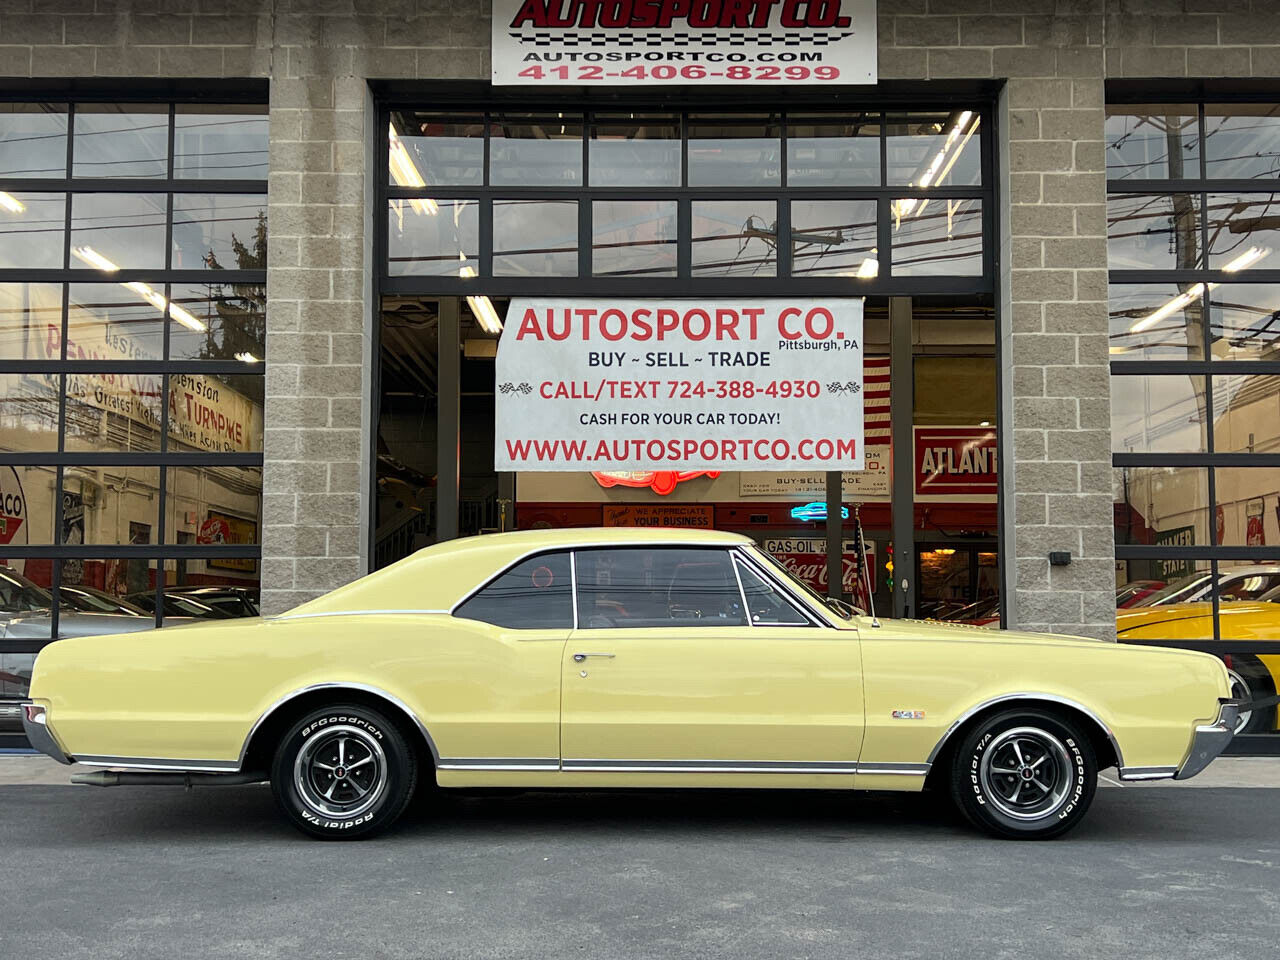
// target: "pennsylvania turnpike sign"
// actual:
[[692, 42], [748, 384]]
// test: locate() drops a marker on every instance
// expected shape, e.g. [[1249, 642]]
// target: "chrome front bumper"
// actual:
[[35, 724], [1210, 740]]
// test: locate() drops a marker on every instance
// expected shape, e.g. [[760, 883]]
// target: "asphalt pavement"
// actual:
[[145, 872]]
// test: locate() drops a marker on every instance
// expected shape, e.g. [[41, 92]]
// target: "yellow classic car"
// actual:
[[1253, 676], [619, 658]]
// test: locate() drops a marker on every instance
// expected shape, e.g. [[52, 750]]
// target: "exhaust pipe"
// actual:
[[112, 778]]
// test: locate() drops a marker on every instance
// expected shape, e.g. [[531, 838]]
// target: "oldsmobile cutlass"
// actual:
[[619, 658]]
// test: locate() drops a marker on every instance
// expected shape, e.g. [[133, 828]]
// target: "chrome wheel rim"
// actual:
[[340, 772], [1026, 773], [1240, 690]]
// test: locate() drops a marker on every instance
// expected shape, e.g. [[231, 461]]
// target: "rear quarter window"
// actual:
[[535, 594]]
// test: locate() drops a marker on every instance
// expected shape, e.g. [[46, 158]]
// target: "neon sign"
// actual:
[[661, 482], [816, 511]]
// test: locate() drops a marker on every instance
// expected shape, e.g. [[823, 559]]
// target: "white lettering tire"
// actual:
[[1024, 774], [343, 772]]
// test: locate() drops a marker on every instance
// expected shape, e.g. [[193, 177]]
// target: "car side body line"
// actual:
[[285, 617], [363, 688], [1008, 697]]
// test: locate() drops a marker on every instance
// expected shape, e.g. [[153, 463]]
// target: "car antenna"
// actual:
[[862, 562]]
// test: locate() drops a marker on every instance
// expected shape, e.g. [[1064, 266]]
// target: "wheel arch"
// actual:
[[260, 742], [1105, 746]]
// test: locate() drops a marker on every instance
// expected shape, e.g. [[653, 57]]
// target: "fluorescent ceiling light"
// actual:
[[152, 296], [405, 173], [11, 203], [94, 259], [869, 268], [246, 357], [1246, 259], [481, 307], [1242, 262]]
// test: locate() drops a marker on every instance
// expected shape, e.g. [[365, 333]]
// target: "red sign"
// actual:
[[955, 461], [661, 482]]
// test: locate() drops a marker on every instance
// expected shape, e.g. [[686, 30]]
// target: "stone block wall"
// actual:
[[1053, 54]]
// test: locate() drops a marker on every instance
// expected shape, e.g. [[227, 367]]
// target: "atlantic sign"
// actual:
[[690, 42]]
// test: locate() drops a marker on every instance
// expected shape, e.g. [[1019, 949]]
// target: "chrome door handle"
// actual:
[[579, 657]]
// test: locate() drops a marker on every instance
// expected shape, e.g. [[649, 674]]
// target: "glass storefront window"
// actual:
[[527, 150], [1244, 231], [436, 149], [110, 505], [117, 231], [29, 412], [113, 411], [1157, 321], [1158, 414], [821, 153], [933, 149], [434, 238], [1247, 502], [633, 238], [936, 237], [535, 238], [113, 321], [218, 321], [215, 413], [735, 238], [1245, 418], [214, 505], [1153, 141], [1154, 232], [1241, 141], [220, 142], [734, 151], [834, 237], [219, 231], [119, 141], [32, 230], [1245, 321], [1161, 506], [33, 140], [30, 320], [634, 150]]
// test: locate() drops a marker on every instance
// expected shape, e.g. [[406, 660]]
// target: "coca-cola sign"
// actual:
[[806, 559]]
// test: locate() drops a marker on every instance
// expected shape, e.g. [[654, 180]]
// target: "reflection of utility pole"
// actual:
[[1186, 238]]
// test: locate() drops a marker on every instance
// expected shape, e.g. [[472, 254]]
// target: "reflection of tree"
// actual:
[[240, 325]]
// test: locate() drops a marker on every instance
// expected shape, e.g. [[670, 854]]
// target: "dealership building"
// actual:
[[256, 261]]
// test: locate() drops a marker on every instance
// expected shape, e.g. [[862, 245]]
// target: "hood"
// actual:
[[941, 630]]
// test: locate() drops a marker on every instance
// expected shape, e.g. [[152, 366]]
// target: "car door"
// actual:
[[672, 670]]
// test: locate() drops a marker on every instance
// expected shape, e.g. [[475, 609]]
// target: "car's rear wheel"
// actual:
[[343, 772], [1024, 774], [1250, 680]]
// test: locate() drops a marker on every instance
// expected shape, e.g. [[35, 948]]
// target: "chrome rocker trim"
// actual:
[[161, 763], [38, 733], [1146, 773], [684, 766], [1210, 740], [507, 764]]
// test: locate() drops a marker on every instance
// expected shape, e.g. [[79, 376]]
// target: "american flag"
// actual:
[[875, 401]]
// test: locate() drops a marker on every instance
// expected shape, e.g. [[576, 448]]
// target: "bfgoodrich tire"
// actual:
[[1024, 774], [343, 772]]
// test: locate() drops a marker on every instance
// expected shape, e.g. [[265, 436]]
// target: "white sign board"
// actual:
[[869, 485], [689, 42], [746, 384]]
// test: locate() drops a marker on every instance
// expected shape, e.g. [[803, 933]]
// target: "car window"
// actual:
[[535, 594], [1249, 586], [766, 604], [18, 595], [657, 587]]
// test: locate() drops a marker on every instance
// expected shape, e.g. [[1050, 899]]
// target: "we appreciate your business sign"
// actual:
[[751, 384], [690, 42]]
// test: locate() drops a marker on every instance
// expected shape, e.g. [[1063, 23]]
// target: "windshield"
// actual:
[[1179, 589], [92, 602], [20, 595], [841, 609]]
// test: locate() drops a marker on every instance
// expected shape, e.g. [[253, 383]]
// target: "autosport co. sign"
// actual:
[[695, 42], [610, 385]]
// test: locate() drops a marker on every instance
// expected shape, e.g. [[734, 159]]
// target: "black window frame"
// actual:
[[1120, 94], [173, 94]]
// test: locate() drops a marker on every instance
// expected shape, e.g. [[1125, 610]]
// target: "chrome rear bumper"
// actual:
[[35, 723], [1209, 741]]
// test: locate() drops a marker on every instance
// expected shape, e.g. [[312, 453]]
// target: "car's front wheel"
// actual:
[[343, 772], [1024, 774]]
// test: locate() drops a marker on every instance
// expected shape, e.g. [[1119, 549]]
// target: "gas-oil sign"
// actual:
[[691, 42], [610, 385]]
